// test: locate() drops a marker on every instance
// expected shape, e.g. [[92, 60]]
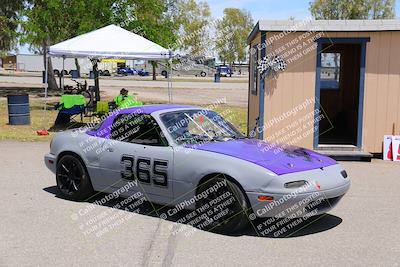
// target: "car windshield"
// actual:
[[197, 126]]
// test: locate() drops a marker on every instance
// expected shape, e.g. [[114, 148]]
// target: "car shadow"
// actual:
[[260, 227]]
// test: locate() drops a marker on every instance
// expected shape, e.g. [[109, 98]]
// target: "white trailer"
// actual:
[[35, 63]]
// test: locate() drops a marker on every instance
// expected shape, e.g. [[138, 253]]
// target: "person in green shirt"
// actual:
[[126, 101]]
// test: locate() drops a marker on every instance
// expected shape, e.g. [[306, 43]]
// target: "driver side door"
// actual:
[[138, 152]]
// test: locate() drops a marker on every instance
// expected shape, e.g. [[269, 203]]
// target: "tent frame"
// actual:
[[96, 77]]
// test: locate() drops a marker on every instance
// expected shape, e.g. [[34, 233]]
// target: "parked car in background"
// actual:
[[127, 71], [104, 73], [224, 71], [143, 72], [187, 66]]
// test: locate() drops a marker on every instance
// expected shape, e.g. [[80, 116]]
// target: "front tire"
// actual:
[[73, 179], [230, 217]]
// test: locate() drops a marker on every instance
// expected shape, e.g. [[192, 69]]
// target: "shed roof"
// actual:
[[325, 25]]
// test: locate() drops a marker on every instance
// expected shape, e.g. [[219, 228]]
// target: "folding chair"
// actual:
[[74, 112]]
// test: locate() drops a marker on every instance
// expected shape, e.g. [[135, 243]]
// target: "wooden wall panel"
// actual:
[[370, 95], [382, 89], [381, 109], [392, 107], [294, 86]]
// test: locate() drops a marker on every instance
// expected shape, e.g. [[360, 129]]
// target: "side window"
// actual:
[[254, 71], [137, 129], [330, 71]]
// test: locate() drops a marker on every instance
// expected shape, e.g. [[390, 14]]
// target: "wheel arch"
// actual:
[[210, 176], [71, 153]]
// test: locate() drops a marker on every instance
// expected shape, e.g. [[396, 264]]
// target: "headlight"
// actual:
[[344, 174], [295, 184]]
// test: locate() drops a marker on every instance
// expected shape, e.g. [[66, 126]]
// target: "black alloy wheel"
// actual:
[[229, 214], [72, 178]]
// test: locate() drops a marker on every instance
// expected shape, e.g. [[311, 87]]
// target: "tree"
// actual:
[[9, 20], [232, 32], [353, 9], [51, 21], [384, 9], [153, 19], [78, 20], [43, 27], [193, 20]]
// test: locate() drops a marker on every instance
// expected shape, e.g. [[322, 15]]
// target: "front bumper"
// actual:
[[297, 205], [51, 162]]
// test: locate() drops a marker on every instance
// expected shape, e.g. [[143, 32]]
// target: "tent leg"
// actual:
[[170, 99], [62, 75], [46, 86], [46, 82], [96, 80]]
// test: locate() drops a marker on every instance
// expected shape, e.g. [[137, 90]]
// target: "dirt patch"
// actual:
[[32, 91]]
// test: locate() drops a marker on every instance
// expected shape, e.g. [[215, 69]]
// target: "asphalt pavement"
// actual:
[[40, 228]]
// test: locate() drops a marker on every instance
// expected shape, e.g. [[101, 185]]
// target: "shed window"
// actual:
[[254, 71], [330, 71]]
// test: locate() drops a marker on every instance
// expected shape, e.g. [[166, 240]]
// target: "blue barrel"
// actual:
[[74, 74], [18, 109]]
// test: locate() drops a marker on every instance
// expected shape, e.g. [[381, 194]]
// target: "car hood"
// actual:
[[276, 158]]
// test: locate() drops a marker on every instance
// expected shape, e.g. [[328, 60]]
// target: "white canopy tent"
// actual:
[[111, 42]]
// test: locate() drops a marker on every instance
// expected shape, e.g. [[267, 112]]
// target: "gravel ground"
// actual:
[[39, 228], [189, 92]]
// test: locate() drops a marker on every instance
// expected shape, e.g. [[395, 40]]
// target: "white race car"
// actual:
[[191, 158]]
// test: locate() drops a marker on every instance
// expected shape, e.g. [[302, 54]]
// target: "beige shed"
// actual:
[[327, 85]]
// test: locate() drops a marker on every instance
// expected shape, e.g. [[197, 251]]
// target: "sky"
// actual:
[[264, 9], [269, 9], [260, 9]]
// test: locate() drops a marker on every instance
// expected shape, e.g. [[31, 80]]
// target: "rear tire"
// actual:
[[73, 180], [236, 217]]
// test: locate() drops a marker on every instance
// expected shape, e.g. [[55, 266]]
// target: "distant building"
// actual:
[[35, 63], [9, 62]]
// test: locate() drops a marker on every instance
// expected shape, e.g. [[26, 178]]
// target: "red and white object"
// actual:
[[387, 147], [396, 147]]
